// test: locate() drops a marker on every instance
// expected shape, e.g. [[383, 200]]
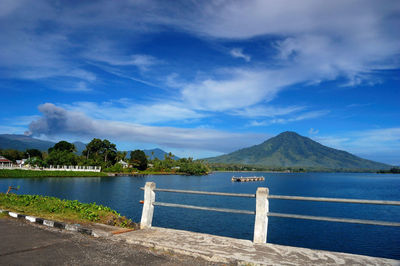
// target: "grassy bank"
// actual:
[[6, 173], [63, 210]]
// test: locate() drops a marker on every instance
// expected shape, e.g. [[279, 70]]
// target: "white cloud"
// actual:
[[289, 119], [313, 131], [11, 129], [143, 62], [299, 117], [314, 41], [128, 111], [255, 123], [267, 111], [234, 89], [57, 121], [320, 40], [81, 86], [238, 53], [375, 144], [106, 51]]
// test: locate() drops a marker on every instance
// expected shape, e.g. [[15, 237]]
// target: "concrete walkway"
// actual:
[[25, 243], [230, 250]]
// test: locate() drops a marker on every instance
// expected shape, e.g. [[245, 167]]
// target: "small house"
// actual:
[[21, 163], [4, 162], [124, 164]]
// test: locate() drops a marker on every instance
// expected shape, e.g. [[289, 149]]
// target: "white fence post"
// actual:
[[261, 222], [148, 208]]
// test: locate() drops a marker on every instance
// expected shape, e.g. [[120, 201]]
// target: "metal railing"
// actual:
[[262, 208]]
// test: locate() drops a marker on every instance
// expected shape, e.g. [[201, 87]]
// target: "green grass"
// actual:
[[71, 211], [6, 173]]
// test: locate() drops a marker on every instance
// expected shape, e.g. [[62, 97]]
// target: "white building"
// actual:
[[4, 162], [21, 163], [124, 164]]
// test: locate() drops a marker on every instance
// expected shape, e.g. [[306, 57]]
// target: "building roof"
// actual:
[[4, 160]]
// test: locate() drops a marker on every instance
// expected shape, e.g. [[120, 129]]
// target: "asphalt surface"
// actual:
[[23, 243]]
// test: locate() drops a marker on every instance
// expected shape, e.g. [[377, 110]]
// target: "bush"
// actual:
[[64, 209]]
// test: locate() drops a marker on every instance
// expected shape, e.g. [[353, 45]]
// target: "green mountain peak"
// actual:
[[289, 149]]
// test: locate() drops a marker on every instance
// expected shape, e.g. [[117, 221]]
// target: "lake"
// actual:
[[123, 194]]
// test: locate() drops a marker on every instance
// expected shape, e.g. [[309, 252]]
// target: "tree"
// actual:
[[121, 155], [12, 155], [139, 159], [93, 148], [34, 153], [62, 153], [101, 152], [63, 146], [57, 157], [108, 149]]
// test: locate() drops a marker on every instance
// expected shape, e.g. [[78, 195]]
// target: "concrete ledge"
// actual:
[[231, 250], [48, 223], [31, 219], [13, 214], [59, 225], [85, 231], [71, 227]]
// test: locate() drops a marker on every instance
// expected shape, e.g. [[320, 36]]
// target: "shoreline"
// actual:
[[16, 173]]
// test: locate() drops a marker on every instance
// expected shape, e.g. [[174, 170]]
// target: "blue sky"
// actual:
[[203, 78]]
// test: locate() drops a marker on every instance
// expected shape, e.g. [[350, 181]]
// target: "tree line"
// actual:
[[105, 154]]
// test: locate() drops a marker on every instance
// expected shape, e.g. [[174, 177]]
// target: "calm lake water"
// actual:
[[123, 194]]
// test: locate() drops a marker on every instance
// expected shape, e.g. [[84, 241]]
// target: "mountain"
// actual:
[[22, 142], [158, 153], [154, 153], [80, 146], [289, 149]]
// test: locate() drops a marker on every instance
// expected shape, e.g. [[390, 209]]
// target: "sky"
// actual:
[[203, 78]]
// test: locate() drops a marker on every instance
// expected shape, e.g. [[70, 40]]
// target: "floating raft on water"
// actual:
[[247, 178]]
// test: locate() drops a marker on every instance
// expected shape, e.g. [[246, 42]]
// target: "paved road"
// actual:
[[22, 243]]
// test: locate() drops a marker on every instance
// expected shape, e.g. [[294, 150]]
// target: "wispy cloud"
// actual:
[[299, 117], [338, 46], [267, 111], [129, 111], [375, 144], [108, 52], [308, 49], [238, 53], [289, 119], [234, 89], [313, 131]]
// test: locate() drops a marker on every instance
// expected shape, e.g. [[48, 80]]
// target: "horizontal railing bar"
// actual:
[[330, 219], [202, 208], [361, 201], [205, 193]]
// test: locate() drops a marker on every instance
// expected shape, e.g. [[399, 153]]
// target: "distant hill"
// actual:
[[157, 153], [289, 149], [154, 153], [80, 146], [22, 143]]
